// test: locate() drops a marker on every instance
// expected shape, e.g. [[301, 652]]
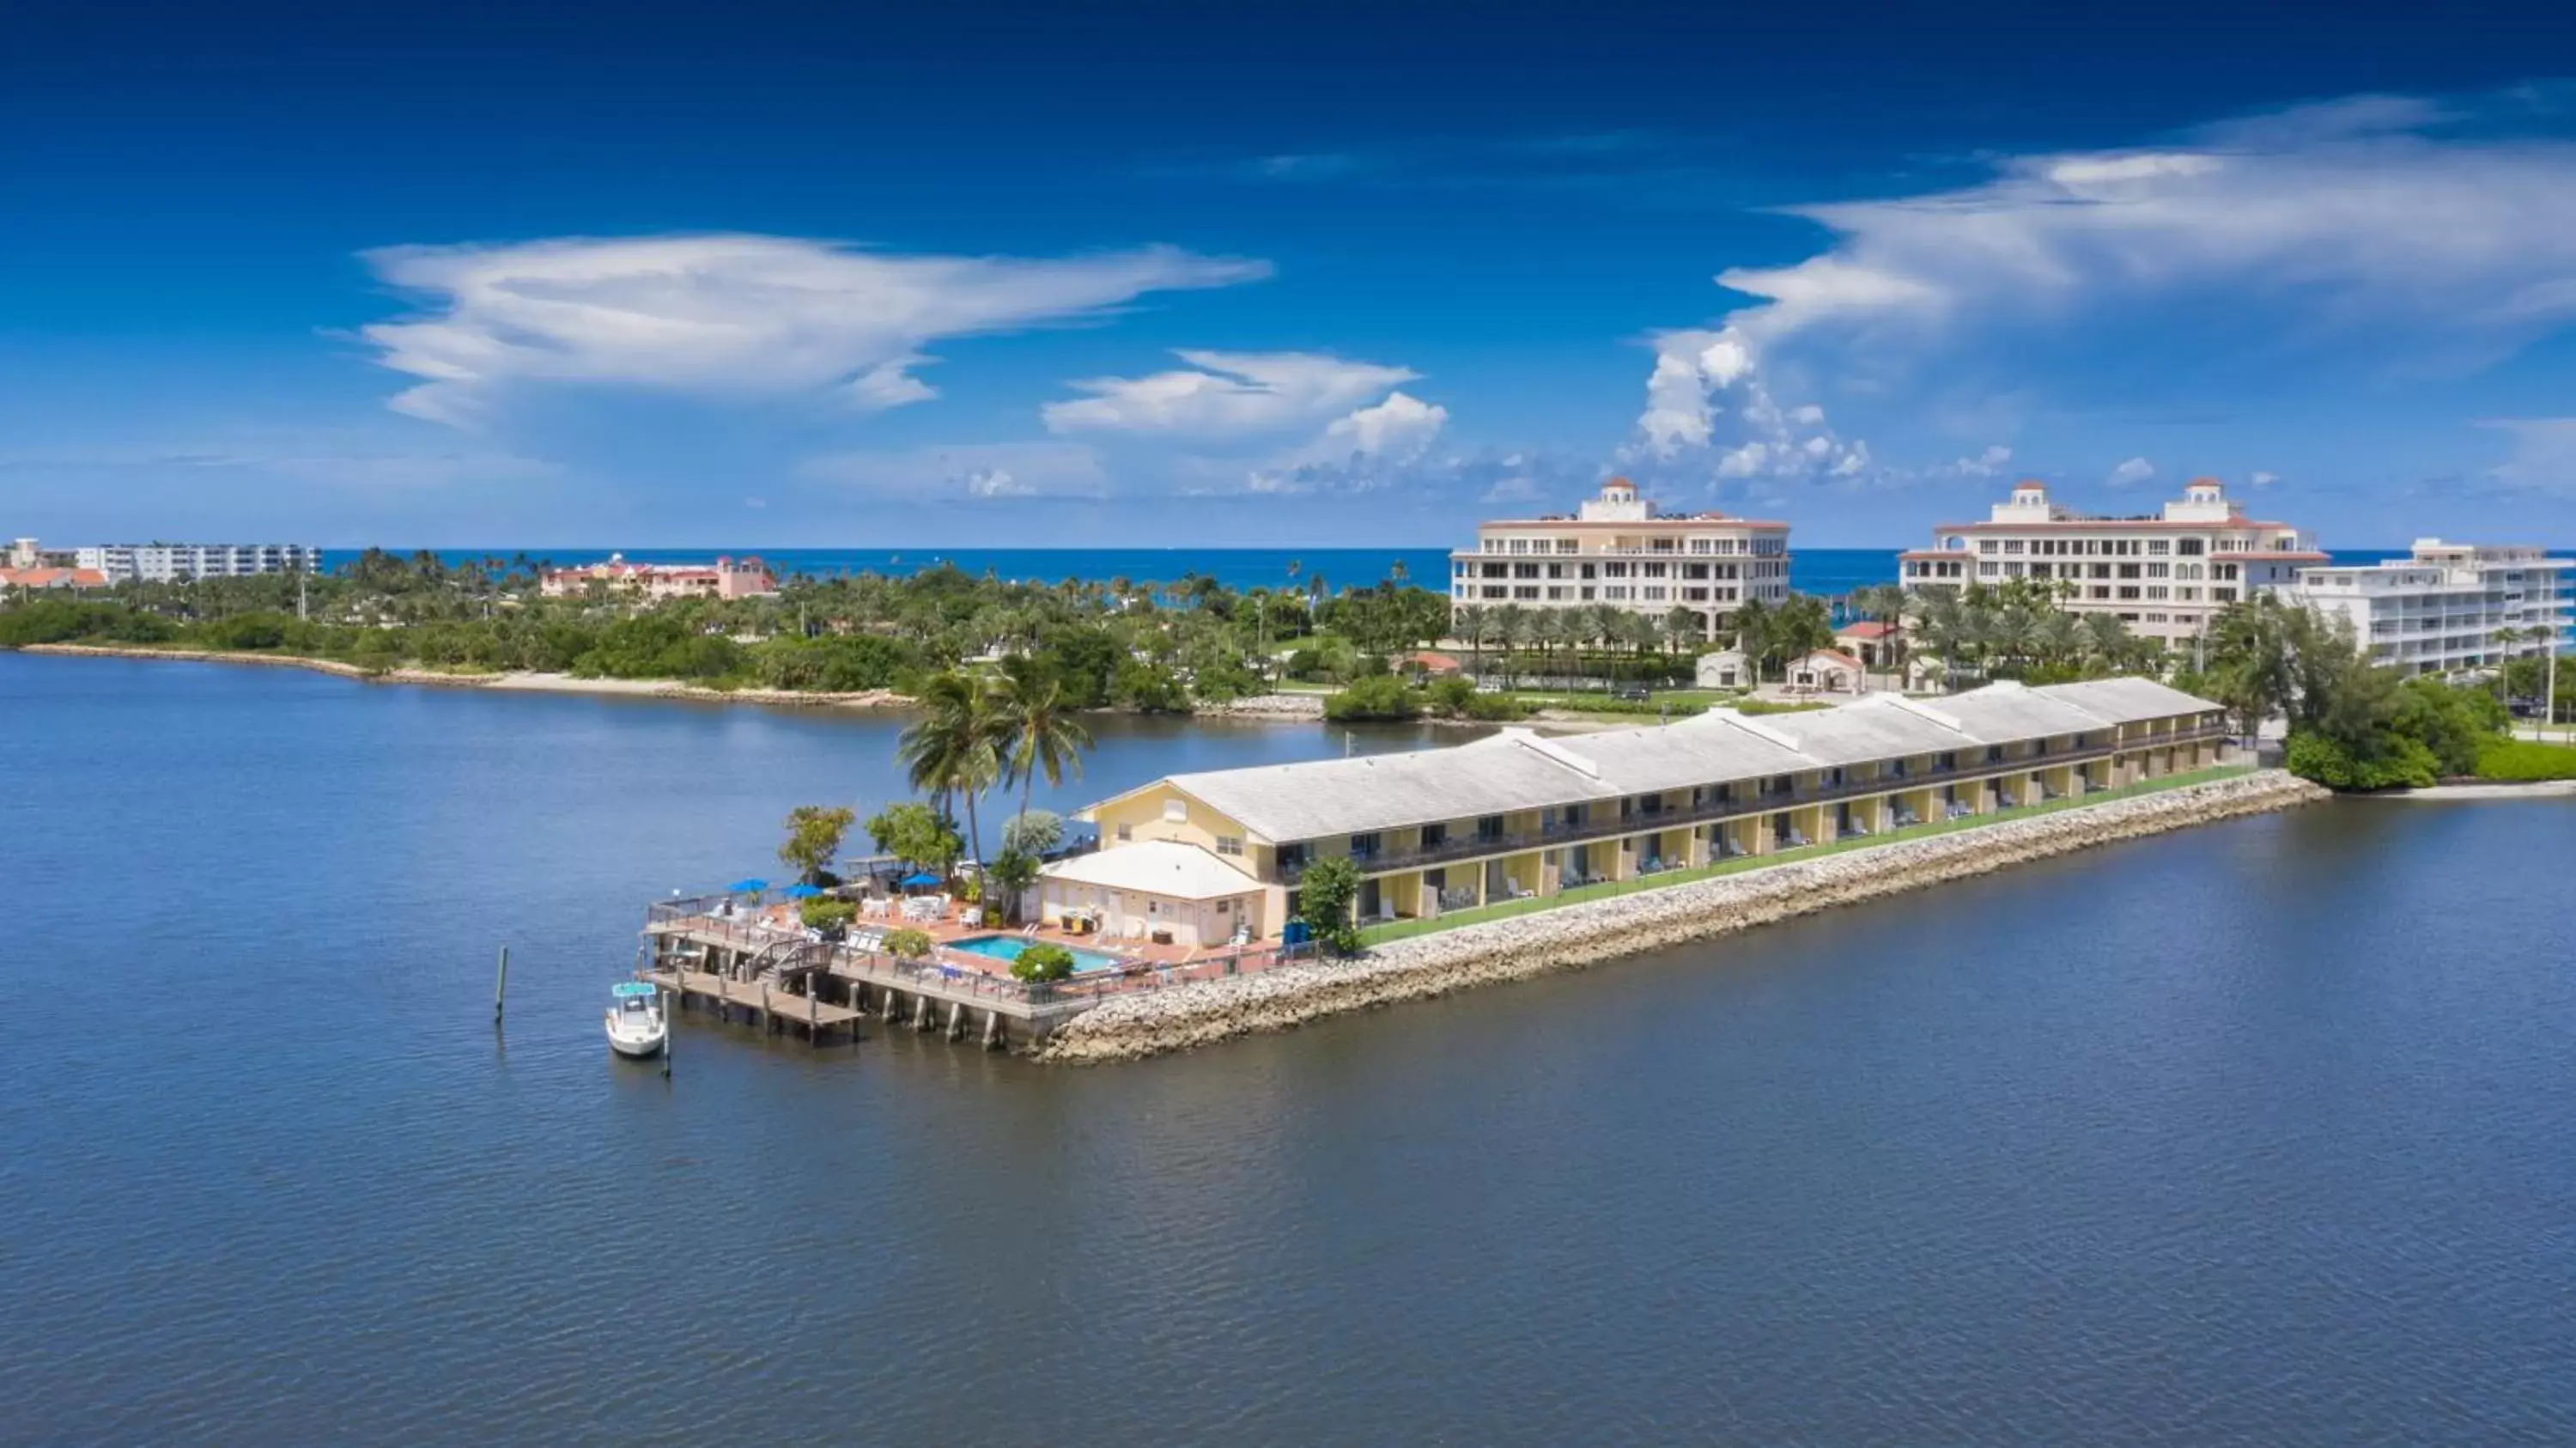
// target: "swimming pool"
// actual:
[[1008, 947]]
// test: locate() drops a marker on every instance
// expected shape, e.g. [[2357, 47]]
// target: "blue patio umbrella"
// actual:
[[801, 891], [748, 887], [920, 881]]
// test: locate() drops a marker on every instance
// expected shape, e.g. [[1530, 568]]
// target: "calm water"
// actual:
[[1829, 571], [2256, 1134]]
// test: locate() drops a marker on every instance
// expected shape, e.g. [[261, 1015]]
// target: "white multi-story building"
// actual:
[[182, 562], [1618, 550], [2165, 574], [2442, 610]]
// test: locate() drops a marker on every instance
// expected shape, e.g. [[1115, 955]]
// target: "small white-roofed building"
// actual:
[[1155, 887], [1829, 671], [1519, 814]]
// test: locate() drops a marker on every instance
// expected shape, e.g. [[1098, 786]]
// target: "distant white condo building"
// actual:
[[1620, 551], [2441, 610], [183, 562], [2165, 574]]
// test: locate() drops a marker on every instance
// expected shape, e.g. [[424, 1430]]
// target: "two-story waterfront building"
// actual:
[[2447, 608], [186, 562], [1204, 858], [1619, 550], [724, 578], [2164, 574]]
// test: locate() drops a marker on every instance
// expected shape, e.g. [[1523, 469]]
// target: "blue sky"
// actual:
[[754, 275]]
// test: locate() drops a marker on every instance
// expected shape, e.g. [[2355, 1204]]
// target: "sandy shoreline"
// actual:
[[2529, 789], [519, 681], [1575, 936]]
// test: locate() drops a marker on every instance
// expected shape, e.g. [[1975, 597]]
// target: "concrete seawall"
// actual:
[[1585, 934]]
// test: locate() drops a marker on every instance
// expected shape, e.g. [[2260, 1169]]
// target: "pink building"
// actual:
[[724, 578]]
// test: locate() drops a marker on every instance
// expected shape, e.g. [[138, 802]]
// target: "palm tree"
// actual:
[[1512, 625], [1468, 622], [1037, 734], [1396, 572], [2108, 644], [1753, 634], [2061, 639], [1553, 627], [1886, 603], [954, 748]]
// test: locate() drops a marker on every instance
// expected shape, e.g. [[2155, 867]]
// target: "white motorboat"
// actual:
[[636, 1025]]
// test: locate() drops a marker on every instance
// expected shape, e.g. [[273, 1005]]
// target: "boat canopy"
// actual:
[[627, 988]]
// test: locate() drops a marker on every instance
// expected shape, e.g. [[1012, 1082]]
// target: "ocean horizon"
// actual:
[[1827, 571]]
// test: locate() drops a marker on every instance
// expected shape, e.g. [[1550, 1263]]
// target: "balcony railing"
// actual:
[[1749, 806]]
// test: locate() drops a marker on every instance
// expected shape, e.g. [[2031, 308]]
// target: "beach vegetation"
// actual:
[[1373, 698]]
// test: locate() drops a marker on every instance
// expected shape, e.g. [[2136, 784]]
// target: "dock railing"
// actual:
[[954, 973]]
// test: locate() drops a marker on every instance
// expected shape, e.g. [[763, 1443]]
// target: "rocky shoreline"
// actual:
[[1573, 936]]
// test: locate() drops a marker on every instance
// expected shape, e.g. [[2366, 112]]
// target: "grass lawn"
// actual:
[[2521, 761], [1504, 909]]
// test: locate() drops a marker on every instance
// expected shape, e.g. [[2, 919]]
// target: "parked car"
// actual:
[[1634, 693]]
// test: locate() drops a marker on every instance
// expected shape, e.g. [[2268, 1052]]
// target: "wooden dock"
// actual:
[[759, 1004], [781, 984]]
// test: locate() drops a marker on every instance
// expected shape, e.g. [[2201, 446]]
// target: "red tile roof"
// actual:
[[52, 578], [1867, 628]]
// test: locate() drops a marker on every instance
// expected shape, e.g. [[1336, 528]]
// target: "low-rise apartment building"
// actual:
[[724, 578], [2448, 607], [1619, 550], [1519, 814], [2165, 574], [187, 562]]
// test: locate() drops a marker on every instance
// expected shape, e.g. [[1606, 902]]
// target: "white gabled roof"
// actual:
[[2005, 712], [1517, 770], [1875, 727], [1502, 772], [2126, 700], [1167, 868]]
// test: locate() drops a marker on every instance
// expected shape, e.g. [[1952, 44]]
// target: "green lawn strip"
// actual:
[[1505, 909]]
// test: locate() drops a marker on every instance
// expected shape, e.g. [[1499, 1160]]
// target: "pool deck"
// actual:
[[762, 962]]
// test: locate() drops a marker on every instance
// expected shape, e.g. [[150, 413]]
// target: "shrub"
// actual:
[[908, 944], [1033, 832], [1325, 894], [2402, 764], [1375, 696], [2521, 760], [1043, 962], [829, 914], [1012, 875], [1149, 689]]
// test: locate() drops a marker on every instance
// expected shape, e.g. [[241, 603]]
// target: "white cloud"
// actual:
[[1692, 370], [730, 315], [2264, 480], [2361, 216], [969, 470], [1400, 428], [1984, 465], [2130, 473], [2351, 205], [2544, 453], [1226, 394]]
